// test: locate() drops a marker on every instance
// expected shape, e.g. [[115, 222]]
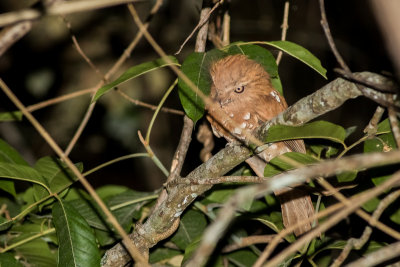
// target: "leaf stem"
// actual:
[[158, 110], [119, 206], [26, 240], [135, 155]]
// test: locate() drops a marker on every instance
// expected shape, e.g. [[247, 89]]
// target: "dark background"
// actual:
[[44, 64]]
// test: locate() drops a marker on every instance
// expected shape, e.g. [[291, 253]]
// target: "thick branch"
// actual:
[[326, 99]]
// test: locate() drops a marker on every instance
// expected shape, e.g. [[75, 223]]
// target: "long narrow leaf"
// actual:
[[78, 245], [134, 72]]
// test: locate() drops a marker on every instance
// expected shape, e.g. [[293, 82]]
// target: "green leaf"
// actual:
[[8, 186], [191, 226], [275, 223], [196, 68], [78, 245], [346, 176], [127, 206], [111, 190], [159, 255], [190, 249], [384, 142], [242, 258], [89, 210], [260, 55], [11, 116], [8, 260], [301, 54], [279, 164], [134, 72], [56, 173], [384, 127], [371, 204], [317, 129], [22, 173], [395, 217], [9, 155], [36, 252]]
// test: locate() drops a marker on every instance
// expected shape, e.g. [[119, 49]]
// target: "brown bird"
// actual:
[[244, 99]]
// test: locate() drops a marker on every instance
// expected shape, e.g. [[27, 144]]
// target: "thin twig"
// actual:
[[370, 220], [390, 88], [63, 7], [80, 129], [356, 201], [149, 106], [394, 123], [328, 35], [79, 49], [119, 62], [127, 242], [372, 126], [324, 169], [169, 90], [360, 242], [11, 34], [226, 29], [203, 20], [284, 27], [206, 138], [369, 94], [152, 155], [379, 256]]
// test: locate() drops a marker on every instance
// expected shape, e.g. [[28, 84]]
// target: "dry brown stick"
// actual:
[[284, 27], [127, 242], [79, 49], [120, 61], [202, 22], [328, 35], [360, 242], [149, 106], [247, 241], [64, 7], [372, 126], [353, 78], [60, 99], [11, 34], [369, 94], [356, 202], [379, 256], [324, 169], [394, 123], [368, 218]]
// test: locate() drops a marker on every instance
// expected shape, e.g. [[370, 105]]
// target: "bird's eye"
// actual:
[[239, 89]]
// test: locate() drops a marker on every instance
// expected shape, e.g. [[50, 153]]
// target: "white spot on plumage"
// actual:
[[276, 96], [231, 115], [274, 146], [237, 130], [246, 116], [243, 125]]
